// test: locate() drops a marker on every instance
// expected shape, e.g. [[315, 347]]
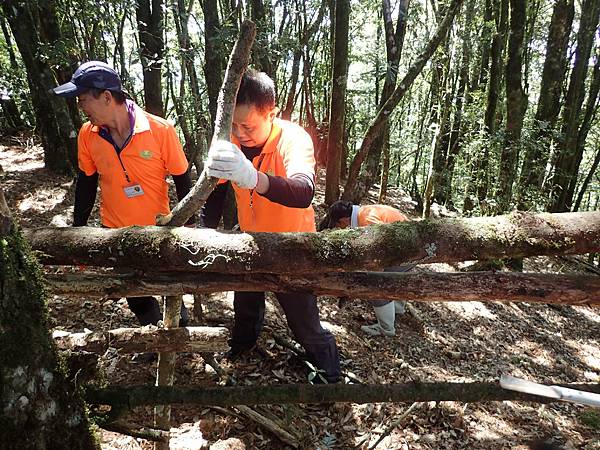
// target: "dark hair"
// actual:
[[339, 210], [256, 89], [119, 96]]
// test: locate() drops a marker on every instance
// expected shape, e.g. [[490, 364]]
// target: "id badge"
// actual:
[[133, 190]]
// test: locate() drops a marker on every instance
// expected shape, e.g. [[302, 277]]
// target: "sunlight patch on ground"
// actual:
[[587, 353], [536, 352], [42, 200], [470, 310], [19, 159], [589, 313], [488, 426]]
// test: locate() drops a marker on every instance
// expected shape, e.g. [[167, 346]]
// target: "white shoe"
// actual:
[[376, 330], [385, 321]]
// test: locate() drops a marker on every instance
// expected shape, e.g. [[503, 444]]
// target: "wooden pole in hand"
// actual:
[[238, 61], [195, 199]]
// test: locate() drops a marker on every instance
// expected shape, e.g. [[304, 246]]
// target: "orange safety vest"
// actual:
[[377, 214], [288, 150], [153, 152]]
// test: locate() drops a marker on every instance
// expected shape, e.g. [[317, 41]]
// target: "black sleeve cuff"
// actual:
[[296, 191], [85, 197]]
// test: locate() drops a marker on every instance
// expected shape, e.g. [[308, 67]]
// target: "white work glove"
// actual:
[[225, 160]]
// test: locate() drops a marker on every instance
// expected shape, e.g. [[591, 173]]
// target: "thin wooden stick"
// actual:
[[238, 61]]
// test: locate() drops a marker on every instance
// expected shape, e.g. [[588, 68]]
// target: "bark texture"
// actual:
[[147, 339], [424, 287], [305, 393], [205, 250], [39, 408]]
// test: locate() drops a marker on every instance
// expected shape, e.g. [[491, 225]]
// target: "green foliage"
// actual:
[[90, 29], [590, 418]]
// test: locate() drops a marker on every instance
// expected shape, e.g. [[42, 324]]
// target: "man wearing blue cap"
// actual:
[[129, 152]]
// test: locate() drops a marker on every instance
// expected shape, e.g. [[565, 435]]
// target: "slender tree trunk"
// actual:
[[150, 20], [53, 121], [485, 43], [587, 180], [304, 39], [493, 93], [565, 167], [589, 115], [214, 54], [548, 107], [516, 104], [339, 78], [262, 54], [456, 133], [192, 123], [440, 147], [394, 41], [383, 114]]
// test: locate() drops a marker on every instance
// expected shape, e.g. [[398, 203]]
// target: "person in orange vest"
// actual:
[[343, 214], [271, 165], [129, 153]]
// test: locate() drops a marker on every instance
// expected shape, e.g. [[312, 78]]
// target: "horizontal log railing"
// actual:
[[134, 396], [371, 248], [144, 339], [414, 286]]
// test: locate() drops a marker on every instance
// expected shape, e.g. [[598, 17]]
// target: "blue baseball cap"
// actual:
[[91, 75]]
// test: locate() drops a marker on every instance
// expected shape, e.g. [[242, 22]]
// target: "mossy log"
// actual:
[[147, 339], [134, 396], [39, 408], [414, 286], [204, 250]]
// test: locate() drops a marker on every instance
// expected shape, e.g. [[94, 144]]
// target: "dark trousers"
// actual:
[[147, 311], [302, 316]]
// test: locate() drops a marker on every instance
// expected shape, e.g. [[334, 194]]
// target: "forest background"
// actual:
[[492, 109]]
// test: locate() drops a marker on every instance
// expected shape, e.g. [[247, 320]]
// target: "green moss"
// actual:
[[34, 394], [590, 418]]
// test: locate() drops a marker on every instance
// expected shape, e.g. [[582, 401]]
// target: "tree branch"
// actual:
[[238, 61]]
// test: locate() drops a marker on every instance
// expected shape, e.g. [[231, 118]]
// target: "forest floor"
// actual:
[[468, 341]]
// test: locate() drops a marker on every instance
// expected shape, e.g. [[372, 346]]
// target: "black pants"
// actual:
[[302, 316], [147, 311]]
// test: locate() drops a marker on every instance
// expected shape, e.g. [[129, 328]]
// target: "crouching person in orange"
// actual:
[[344, 214], [270, 163], [129, 152]]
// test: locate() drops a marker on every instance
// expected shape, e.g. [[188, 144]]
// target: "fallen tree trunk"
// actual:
[[415, 286], [134, 396], [147, 339], [160, 248]]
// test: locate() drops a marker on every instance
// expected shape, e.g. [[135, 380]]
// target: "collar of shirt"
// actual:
[[138, 122], [354, 216]]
